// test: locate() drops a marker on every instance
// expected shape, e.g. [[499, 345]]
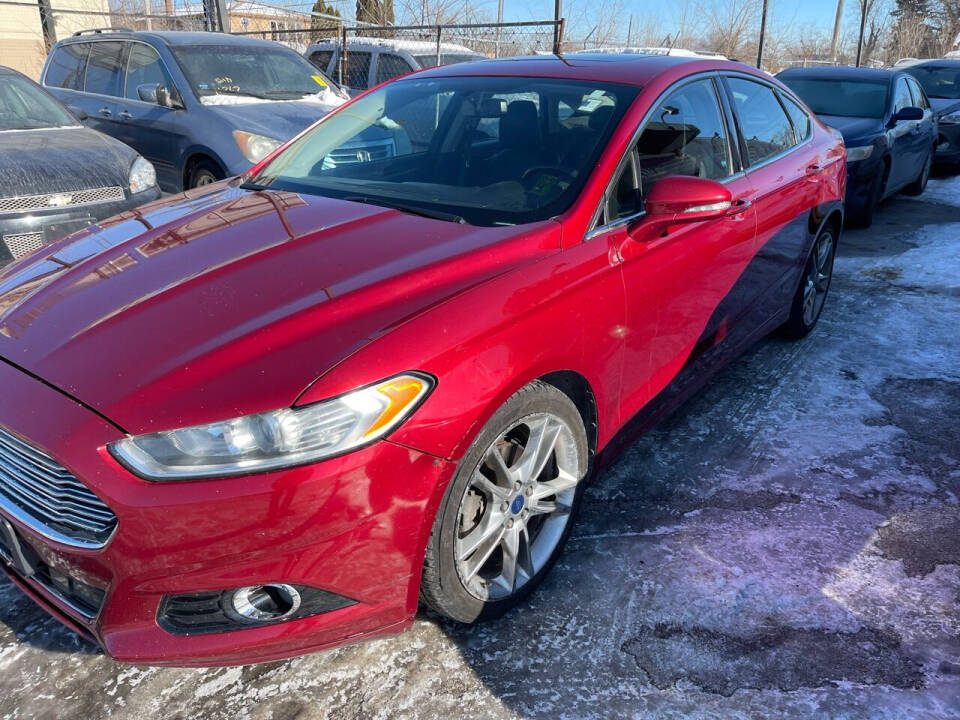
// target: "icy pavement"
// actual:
[[786, 545]]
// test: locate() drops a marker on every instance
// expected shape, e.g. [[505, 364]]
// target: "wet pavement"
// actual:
[[786, 545]]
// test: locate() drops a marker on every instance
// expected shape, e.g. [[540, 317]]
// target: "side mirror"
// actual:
[[159, 95], [683, 199], [908, 113], [148, 93]]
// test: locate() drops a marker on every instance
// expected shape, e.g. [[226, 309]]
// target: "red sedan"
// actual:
[[271, 415]]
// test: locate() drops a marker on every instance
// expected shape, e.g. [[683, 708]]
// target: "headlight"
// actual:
[[280, 439], [859, 153], [950, 118], [255, 147], [142, 175]]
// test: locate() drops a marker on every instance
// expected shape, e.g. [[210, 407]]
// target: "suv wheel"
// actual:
[[204, 172]]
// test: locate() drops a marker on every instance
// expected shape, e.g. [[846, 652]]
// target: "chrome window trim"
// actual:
[[594, 229], [43, 80]]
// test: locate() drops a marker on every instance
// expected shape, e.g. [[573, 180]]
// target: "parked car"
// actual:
[[371, 61], [888, 126], [56, 176], [267, 417], [940, 80], [200, 106]]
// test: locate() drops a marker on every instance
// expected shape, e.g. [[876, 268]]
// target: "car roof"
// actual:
[[842, 73], [936, 62], [4, 70], [172, 37], [628, 69]]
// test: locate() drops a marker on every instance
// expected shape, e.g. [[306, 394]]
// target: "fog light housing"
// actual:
[[264, 603]]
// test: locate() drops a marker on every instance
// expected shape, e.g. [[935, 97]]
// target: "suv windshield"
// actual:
[[24, 106], [484, 150], [847, 98], [259, 72], [939, 81]]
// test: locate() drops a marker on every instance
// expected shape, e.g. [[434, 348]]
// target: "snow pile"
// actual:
[[326, 98]]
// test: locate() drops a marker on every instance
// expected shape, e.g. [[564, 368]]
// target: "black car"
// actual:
[[887, 123], [57, 176], [941, 81]]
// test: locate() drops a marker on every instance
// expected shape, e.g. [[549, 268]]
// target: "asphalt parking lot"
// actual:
[[786, 545]]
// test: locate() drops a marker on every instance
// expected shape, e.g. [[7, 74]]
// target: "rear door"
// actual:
[[927, 128], [103, 84], [154, 131], [905, 154], [676, 283]]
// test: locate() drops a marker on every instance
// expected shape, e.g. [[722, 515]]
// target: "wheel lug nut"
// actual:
[[517, 485], [529, 491], [510, 523], [504, 507]]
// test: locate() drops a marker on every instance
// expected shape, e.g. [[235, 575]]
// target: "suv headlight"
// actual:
[[255, 147], [952, 118], [279, 439], [142, 175], [859, 153]]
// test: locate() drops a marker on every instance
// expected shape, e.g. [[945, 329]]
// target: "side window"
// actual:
[[105, 69], [390, 66], [901, 96], [919, 96], [67, 67], [686, 135], [144, 67], [321, 58], [624, 200], [799, 118], [357, 69], [764, 124]]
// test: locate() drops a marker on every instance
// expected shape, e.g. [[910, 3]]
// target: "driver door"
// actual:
[[674, 282]]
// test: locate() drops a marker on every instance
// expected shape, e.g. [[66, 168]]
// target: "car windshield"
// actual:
[[481, 150], [267, 73], [939, 81], [24, 106], [430, 60], [848, 98]]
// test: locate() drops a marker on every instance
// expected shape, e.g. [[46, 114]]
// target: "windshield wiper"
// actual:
[[410, 210]]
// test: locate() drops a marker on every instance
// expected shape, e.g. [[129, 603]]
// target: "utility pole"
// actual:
[[629, 29], [499, 26], [557, 15], [863, 24], [148, 11], [838, 21], [763, 32]]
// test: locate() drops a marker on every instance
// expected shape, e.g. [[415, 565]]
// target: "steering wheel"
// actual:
[[545, 169]]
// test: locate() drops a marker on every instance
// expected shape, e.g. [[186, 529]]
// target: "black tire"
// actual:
[[920, 184], [801, 322], [441, 586], [204, 172], [864, 217]]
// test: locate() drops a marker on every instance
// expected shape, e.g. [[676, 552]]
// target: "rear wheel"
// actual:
[[811, 295], [509, 509], [920, 184]]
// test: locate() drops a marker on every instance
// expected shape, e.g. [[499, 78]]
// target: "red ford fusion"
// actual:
[[274, 414]]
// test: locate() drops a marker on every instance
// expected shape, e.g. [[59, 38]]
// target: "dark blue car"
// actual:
[[941, 81], [888, 127], [200, 106]]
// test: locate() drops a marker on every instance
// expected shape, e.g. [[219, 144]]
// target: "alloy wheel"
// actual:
[[516, 507], [817, 281]]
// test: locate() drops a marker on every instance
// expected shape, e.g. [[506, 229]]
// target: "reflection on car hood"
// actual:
[[54, 160], [281, 120], [855, 131], [225, 302]]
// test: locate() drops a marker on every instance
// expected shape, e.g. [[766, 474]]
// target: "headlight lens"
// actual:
[[142, 175], [279, 439], [255, 147], [950, 118], [859, 153]]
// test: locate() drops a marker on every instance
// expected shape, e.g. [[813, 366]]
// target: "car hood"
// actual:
[[277, 119], [942, 106], [853, 128], [55, 160], [227, 302]]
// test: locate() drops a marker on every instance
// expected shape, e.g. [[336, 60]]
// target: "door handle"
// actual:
[[125, 115], [739, 207], [813, 169], [105, 111]]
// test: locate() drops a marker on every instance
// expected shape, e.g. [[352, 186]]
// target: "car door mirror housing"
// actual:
[[160, 95], [907, 114], [683, 198], [148, 93]]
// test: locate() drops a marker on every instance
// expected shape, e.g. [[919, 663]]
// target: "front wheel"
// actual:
[[509, 508], [811, 295]]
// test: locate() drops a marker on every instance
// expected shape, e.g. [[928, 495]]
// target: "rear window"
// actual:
[[766, 129], [847, 98], [321, 58], [430, 60], [799, 117], [67, 66]]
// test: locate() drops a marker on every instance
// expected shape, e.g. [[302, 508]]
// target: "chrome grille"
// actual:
[[43, 494], [361, 153], [73, 198], [23, 243]]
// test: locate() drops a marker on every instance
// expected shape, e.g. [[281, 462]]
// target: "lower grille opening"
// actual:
[[217, 611]]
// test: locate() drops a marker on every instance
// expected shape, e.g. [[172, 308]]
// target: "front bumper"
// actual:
[[861, 175], [948, 145], [26, 230], [355, 526]]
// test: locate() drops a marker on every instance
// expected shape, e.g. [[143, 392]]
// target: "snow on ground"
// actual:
[[786, 545], [945, 190]]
